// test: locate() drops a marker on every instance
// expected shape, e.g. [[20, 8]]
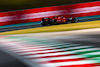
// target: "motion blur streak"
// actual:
[[42, 53]]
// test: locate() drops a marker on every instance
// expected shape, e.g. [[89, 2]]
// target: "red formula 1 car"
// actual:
[[57, 20]]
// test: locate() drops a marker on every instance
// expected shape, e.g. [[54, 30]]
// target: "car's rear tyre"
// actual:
[[43, 24]]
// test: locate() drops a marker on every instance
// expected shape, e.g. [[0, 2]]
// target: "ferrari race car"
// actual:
[[58, 20]]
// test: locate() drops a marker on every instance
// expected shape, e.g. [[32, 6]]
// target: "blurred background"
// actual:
[[81, 47], [9, 5]]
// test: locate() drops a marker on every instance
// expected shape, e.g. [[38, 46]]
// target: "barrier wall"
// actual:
[[34, 15]]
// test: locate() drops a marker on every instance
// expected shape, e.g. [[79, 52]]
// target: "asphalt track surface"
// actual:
[[6, 60], [35, 26], [19, 28], [91, 39]]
